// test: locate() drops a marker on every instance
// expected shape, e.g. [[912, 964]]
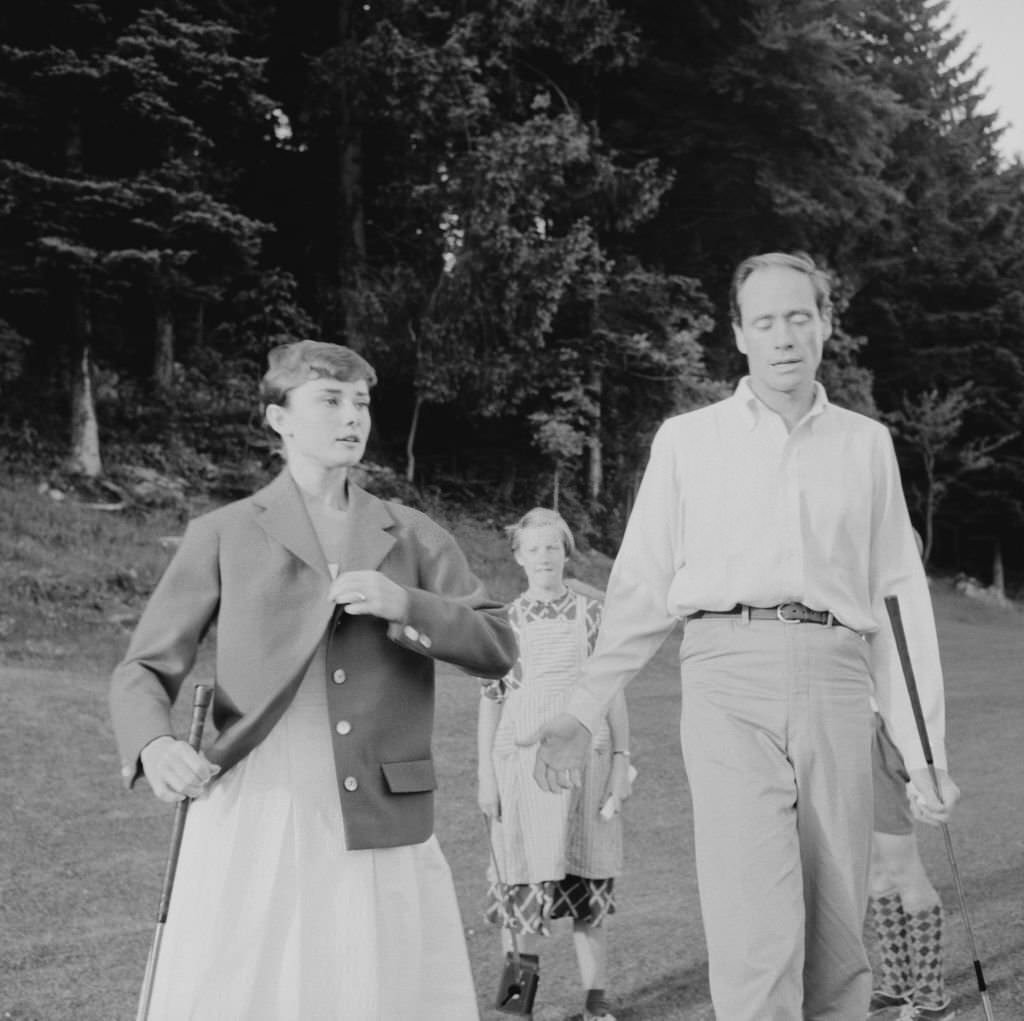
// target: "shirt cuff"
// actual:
[[590, 711]]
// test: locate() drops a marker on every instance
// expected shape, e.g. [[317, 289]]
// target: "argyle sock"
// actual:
[[597, 1003], [924, 935], [887, 916]]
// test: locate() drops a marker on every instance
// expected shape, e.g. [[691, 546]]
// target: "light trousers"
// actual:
[[776, 733]]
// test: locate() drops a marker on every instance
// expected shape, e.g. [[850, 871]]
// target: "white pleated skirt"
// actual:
[[272, 919]]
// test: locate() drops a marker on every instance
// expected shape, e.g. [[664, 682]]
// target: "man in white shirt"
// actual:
[[775, 524]]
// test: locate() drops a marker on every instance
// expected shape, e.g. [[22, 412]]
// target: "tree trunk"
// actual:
[[509, 471], [84, 457], [410, 442], [163, 348], [200, 341], [998, 575], [556, 486], [595, 453], [350, 224], [929, 512]]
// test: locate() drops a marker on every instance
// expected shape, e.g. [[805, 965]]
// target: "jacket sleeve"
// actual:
[[450, 616], [163, 648]]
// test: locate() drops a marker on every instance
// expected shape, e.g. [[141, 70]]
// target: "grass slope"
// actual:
[[81, 861]]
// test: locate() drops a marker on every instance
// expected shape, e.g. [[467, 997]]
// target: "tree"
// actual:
[[105, 220], [938, 287], [769, 116], [930, 425]]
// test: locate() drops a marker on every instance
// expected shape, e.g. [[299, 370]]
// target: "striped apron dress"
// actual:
[[541, 836]]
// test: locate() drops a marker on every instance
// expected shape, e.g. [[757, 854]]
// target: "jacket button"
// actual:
[[343, 727], [351, 783], [425, 641], [338, 676], [410, 632]]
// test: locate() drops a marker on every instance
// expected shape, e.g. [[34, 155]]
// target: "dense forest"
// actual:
[[525, 213]]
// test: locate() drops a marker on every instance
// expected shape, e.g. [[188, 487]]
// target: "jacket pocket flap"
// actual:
[[409, 777]]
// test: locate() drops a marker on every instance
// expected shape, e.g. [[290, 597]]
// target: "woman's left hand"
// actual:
[[619, 786], [620, 781], [369, 593]]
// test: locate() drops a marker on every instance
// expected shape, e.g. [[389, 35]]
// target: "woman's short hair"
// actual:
[[800, 261], [541, 517], [291, 365]]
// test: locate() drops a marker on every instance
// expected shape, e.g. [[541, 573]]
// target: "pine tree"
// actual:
[[940, 295], [118, 180]]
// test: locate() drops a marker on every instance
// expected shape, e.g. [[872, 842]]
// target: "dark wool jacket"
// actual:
[[255, 569]]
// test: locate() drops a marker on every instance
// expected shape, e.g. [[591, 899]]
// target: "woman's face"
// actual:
[[541, 555], [324, 422]]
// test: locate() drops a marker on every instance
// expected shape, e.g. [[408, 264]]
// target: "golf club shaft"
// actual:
[[892, 606], [200, 704]]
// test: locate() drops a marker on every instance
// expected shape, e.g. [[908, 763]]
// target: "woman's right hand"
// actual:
[[175, 770], [487, 796]]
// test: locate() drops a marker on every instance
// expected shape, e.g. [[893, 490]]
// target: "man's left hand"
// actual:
[[924, 803], [564, 744]]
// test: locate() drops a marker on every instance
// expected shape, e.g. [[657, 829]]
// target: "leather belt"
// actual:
[[788, 613]]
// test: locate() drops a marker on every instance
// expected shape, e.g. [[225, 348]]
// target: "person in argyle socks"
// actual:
[[905, 908]]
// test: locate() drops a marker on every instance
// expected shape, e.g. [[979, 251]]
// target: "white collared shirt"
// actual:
[[733, 508]]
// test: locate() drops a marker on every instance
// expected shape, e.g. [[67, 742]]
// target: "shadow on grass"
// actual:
[[674, 996]]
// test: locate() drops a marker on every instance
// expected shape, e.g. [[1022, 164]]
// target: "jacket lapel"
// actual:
[[283, 517], [371, 539]]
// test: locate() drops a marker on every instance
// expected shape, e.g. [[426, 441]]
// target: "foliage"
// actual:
[[931, 424], [525, 213]]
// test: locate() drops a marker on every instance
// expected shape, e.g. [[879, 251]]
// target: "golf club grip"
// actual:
[[201, 699], [892, 606]]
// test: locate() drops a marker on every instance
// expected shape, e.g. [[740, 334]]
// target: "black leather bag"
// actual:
[[518, 986]]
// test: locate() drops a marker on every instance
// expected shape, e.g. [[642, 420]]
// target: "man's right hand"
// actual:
[[927, 805], [563, 744], [175, 770]]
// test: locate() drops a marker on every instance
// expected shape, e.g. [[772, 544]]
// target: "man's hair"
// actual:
[[541, 517], [800, 261], [291, 365]]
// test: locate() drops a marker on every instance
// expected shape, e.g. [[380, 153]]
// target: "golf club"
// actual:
[[892, 606], [200, 703]]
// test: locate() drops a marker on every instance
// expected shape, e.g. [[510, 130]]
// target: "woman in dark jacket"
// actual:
[[310, 884]]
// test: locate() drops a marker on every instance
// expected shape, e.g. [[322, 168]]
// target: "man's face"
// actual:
[[781, 331]]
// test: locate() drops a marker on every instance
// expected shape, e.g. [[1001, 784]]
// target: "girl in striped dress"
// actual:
[[556, 854]]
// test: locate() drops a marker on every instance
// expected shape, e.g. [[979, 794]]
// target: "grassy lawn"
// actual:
[[81, 860]]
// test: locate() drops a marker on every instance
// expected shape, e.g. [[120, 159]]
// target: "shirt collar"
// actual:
[[753, 407]]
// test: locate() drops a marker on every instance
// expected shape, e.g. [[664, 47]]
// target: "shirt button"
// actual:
[[338, 676], [351, 783], [343, 727], [410, 632]]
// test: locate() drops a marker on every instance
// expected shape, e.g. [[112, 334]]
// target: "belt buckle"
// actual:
[[789, 620]]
